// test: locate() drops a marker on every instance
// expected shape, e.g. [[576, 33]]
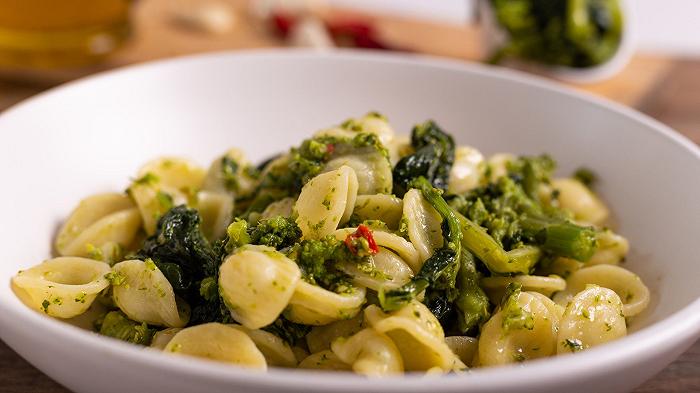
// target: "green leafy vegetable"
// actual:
[[433, 158], [186, 259], [574, 33]]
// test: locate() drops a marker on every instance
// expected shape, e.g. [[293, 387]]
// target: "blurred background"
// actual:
[[641, 53]]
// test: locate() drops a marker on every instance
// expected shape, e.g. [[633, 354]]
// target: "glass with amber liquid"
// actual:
[[60, 33]]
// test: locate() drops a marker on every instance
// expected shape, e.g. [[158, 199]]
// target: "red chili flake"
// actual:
[[362, 231], [330, 148]]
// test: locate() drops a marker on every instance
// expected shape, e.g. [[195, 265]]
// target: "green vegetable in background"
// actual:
[[572, 33]]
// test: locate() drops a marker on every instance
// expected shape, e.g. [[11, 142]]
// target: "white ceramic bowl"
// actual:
[[92, 135]]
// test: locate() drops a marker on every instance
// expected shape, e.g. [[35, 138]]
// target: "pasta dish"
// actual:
[[357, 250]]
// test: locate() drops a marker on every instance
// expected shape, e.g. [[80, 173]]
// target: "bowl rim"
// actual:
[[682, 326]]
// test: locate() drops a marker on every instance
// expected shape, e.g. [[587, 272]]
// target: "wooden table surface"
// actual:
[[667, 89]]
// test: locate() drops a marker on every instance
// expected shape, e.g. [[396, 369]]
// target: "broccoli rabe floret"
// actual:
[[317, 260], [116, 324], [237, 234], [530, 172], [278, 232]]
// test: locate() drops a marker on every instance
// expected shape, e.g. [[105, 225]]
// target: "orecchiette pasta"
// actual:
[[495, 286], [383, 270], [467, 170], [423, 224], [324, 360], [575, 197], [313, 305], [97, 220], [321, 337], [561, 266], [220, 342], [612, 249], [373, 171], [62, 287], [163, 337], [283, 207], [525, 328], [154, 199], [229, 174], [399, 147], [145, 295], [628, 286], [178, 173], [276, 351], [382, 207], [256, 284], [592, 317], [464, 347], [418, 336], [369, 352], [326, 201], [216, 211], [497, 165]]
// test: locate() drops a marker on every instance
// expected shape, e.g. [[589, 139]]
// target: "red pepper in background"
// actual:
[[364, 232], [346, 32]]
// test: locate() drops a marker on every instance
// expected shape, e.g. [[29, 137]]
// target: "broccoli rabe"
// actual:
[[471, 302], [317, 260], [515, 317], [433, 158], [278, 232], [502, 223], [581, 33], [180, 250], [440, 269], [186, 259], [117, 325], [237, 234]]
